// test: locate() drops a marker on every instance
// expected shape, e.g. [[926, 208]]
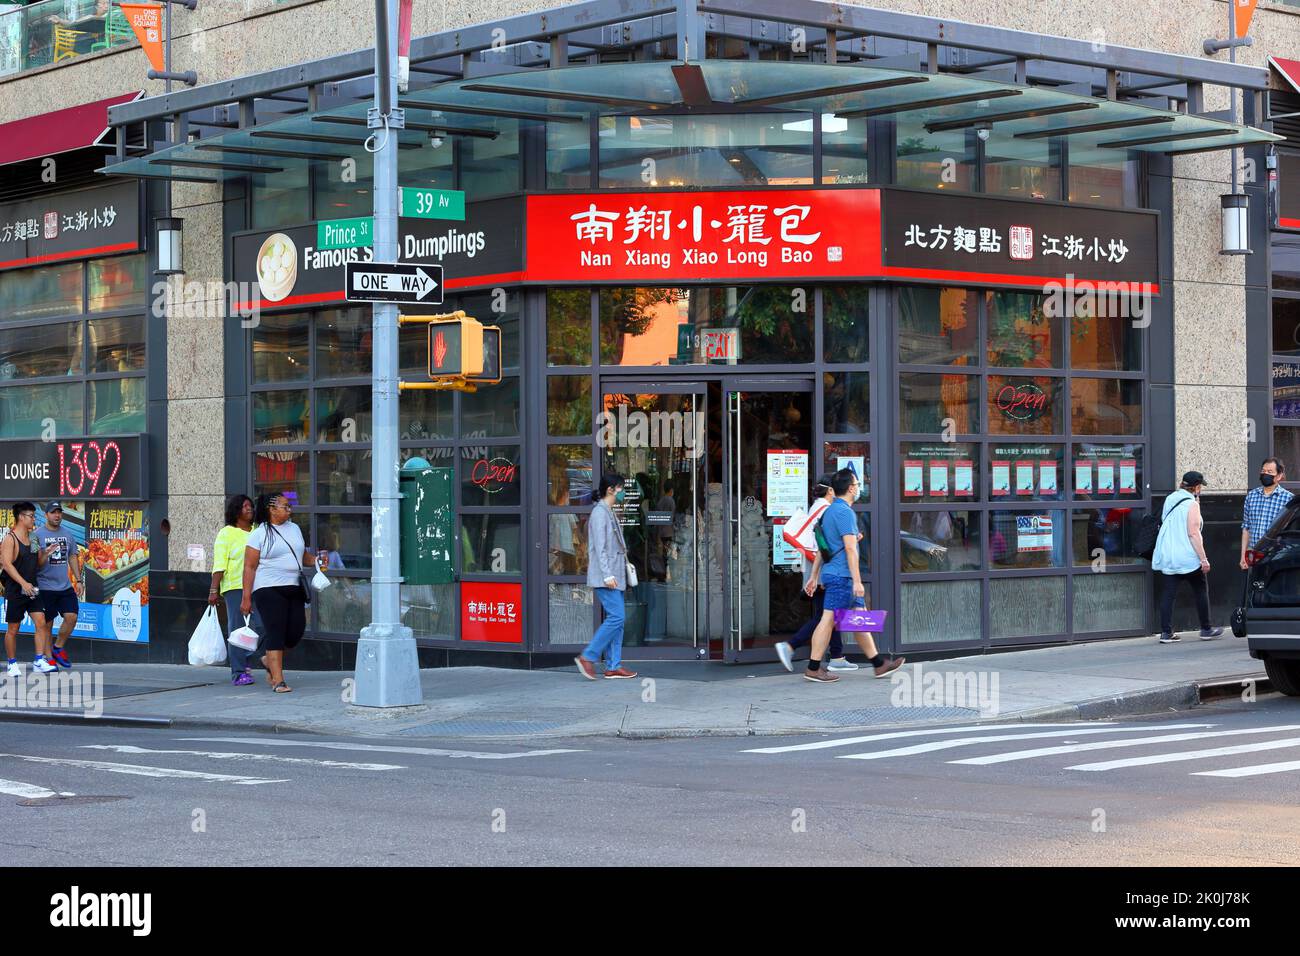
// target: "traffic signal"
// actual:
[[456, 347], [491, 373]]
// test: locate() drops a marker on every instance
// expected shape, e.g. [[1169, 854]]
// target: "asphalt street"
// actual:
[[1215, 785]]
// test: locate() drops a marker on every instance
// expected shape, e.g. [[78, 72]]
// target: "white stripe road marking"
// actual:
[[1254, 771], [1190, 755], [1111, 744], [17, 788], [850, 741], [379, 748], [125, 749], [931, 746], [139, 771]]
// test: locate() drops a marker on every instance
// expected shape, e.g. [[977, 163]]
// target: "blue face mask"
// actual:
[[618, 495]]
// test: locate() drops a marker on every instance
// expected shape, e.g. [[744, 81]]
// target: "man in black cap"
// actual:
[[1180, 556], [59, 580]]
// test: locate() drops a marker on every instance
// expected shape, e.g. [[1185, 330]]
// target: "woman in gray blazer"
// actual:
[[607, 574]]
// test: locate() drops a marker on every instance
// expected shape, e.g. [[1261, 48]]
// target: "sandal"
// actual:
[[281, 688]]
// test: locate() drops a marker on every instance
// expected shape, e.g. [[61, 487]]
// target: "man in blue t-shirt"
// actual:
[[60, 582], [842, 580]]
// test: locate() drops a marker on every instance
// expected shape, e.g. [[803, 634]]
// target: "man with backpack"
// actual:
[[1179, 554]]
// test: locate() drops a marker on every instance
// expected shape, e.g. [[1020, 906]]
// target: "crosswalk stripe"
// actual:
[[338, 764], [142, 771], [379, 748], [1112, 744], [894, 735], [1253, 771], [1189, 755], [933, 745], [16, 788]]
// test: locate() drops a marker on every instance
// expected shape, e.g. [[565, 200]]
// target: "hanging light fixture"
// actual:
[[169, 232], [1236, 224]]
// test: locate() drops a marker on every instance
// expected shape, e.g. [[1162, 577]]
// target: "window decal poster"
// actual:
[[784, 554], [787, 481], [1047, 477], [1001, 478], [1083, 477], [963, 478], [913, 478], [939, 479], [1024, 477], [112, 542], [1033, 533], [1105, 477], [1128, 477]]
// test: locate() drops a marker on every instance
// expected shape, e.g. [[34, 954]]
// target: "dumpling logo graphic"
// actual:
[[277, 266]]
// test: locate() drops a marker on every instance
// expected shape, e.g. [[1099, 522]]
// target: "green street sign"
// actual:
[[345, 233], [420, 203]]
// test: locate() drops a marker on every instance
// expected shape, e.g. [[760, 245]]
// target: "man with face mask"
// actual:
[[1263, 505]]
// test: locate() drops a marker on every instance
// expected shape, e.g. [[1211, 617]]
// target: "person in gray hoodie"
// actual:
[[607, 574]]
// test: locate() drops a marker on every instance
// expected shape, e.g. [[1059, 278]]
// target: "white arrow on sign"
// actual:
[[420, 282]]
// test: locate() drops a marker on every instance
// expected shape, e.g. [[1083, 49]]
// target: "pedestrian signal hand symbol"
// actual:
[[439, 350]]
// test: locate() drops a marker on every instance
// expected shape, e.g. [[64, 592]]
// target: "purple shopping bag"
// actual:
[[859, 619]]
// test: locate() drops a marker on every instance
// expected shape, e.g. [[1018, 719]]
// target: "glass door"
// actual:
[[656, 435], [769, 474]]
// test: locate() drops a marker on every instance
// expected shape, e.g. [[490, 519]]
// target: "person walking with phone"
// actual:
[[607, 577], [1180, 556], [228, 582], [60, 584], [21, 559]]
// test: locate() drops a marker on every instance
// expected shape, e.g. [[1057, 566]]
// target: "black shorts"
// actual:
[[283, 616], [56, 603], [18, 604]]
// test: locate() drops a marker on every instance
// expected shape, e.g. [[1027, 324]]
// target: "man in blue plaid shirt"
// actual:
[[1263, 505]]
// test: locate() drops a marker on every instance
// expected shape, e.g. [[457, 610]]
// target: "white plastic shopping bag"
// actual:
[[245, 637], [320, 580], [206, 643]]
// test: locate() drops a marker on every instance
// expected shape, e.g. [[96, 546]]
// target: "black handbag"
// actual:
[[1149, 532], [304, 582]]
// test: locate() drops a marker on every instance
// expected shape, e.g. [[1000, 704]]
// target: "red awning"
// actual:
[[49, 133], [1290, 70]]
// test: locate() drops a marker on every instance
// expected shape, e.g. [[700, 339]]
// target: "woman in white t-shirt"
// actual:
[[273, 561]]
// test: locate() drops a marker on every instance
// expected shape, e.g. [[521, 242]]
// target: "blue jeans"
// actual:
[[804, 634], [608, 639], [234, 621]]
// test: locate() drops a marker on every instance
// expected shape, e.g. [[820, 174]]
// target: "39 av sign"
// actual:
[[407, 282]]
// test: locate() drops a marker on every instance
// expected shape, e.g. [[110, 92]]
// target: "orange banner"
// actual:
[[1244, 10], [146, 23]]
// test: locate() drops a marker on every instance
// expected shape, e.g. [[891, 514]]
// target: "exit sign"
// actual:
[[420, 203], [345, 233]]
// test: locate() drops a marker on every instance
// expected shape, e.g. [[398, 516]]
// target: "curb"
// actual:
[[79, 716]]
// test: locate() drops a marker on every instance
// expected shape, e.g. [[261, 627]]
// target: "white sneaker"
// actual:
[[841, 664], [41, 666], [15, 670], [786, 653]]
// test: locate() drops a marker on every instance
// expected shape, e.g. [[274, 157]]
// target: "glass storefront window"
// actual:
[[117, 283], [343, 414], [1103, 336], [491, 167], [571, 613], [24, 409], [937, 326], [426, 166], [502, 311], [1021, 334], [337, 198], [931, 541], [927, 402], [851, 454], [846, 323], [492, 411], [566, 543], [1026, 472], [940, 612], [1106, 406], [343, 607], [1286, 442], [425, 415], [1026, 607], [1106, 536], [116, 345], [933, 160], [117, 406], [1099, 182], [281, 417], [846, 402], [491, 544], [568, 327], [1109, 602], [343, 477], [1026, 539], [1106, 472], [280, 199], [431, 610], [283, 472], [568, 475], [1021, 168], [490, 476], [568, 155], [844, 149], [938, 471], [345, 541], [280, 349], [343, 343], [568, 404], [1286, 326], [1025, 406], [36, 293], [39, 351]]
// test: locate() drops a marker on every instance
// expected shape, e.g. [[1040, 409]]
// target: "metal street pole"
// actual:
[[388, 670]]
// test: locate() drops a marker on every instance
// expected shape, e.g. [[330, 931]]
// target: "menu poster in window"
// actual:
[[1128, 477], [963, 478], [784, 554], [939, 479], [1082, 477], [787, 482], [629, 511], [913, 478], [1105, 477], [491, 611], [1001, 478], [1047, 477], [1024, 477], [1033, 533]]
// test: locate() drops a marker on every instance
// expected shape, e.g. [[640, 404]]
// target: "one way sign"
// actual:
[[418, 282]]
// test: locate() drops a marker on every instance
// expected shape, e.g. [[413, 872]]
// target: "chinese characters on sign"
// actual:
[[491, 612], [97, 221], [988, 239]]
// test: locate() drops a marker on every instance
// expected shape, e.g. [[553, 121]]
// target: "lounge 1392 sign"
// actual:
[[100, 468]]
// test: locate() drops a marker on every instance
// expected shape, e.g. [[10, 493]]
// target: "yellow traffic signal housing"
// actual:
[[455, 346]]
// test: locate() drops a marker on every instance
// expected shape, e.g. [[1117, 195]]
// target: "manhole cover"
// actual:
[[57, 800]]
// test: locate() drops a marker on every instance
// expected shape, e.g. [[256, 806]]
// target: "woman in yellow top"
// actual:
[[228, 581]]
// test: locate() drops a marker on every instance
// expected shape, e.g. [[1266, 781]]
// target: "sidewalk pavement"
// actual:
[[669, 699]]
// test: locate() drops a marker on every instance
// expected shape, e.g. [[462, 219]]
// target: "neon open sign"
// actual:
[[1021, 403]]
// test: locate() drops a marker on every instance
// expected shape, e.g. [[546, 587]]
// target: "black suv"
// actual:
[[1272, 610]]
